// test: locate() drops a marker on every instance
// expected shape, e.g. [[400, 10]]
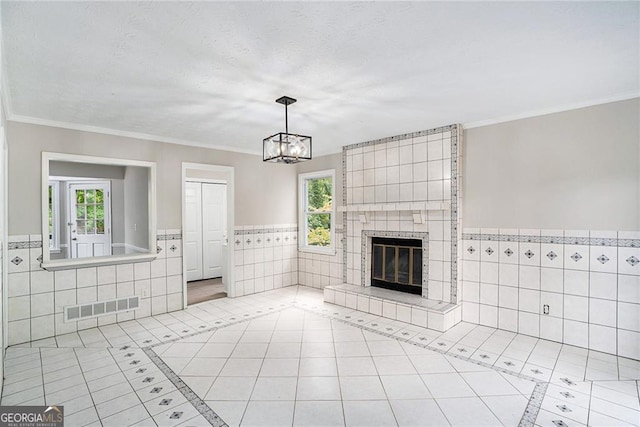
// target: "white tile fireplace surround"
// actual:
[[406, 186]]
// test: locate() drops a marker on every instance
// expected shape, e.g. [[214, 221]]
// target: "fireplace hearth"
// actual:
[[396, 264]]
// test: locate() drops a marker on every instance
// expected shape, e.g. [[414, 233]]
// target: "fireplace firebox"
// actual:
[[396, 264]]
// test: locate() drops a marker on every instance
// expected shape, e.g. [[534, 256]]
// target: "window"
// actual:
[[54, 215], [316, 223]]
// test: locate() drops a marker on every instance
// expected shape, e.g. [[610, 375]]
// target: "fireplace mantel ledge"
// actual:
[[396, 207]]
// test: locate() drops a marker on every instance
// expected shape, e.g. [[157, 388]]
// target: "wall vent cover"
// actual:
[[73, 313]]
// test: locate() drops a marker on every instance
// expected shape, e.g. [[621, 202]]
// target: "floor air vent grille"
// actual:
[[84, 311]]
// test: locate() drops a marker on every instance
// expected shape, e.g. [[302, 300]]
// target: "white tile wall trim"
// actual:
[[37, 297], [266, 257], [321, 270], [576, 287]]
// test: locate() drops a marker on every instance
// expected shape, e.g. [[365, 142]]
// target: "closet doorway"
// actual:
[[206, 234]]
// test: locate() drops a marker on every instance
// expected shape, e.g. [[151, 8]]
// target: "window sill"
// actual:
[[68, 264], [318, 250]]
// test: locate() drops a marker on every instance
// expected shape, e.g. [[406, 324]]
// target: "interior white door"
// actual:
[[214, 226], [193, 231], [90, 219]]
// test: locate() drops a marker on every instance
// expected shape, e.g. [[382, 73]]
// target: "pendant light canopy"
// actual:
[[285, 147]]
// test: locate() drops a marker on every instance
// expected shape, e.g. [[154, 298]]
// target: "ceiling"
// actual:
[[208, 73]]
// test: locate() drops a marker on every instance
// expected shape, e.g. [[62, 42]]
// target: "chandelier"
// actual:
[[285, 147]]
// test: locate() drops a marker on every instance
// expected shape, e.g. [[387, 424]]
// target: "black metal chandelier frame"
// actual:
[[287, 145]]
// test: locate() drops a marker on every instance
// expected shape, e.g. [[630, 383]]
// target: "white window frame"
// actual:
[[54, 244], [302, 212]]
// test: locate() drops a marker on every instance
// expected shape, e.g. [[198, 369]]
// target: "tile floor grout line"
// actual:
[[84, 345], [253, 389], [44, 396], [222, 367], [479, 348], [191, 397], [533, 407], [586, 366], [537, 406], [213, 328], [505, 348], [480, 397], [404, 351], [199, 404], [435, 400], [344, 416], [295, 395], [426, 346], [590, 399], [484, 342], [133, 390], [86, 383], [333, 340], [529, 356]]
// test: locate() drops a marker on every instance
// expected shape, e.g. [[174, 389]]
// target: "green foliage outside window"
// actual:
[[90, 211], [319, 207]]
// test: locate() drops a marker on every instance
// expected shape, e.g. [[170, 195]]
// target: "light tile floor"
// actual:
[[287, 358]]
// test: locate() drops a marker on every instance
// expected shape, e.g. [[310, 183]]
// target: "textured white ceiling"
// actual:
[[208, 73]]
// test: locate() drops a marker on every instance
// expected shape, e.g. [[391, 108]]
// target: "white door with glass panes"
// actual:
[[205, 233], [90, 219]]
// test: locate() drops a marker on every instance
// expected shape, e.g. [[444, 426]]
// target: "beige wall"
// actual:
[[206, 174], [576, 169], [265, 192], [136, 207]]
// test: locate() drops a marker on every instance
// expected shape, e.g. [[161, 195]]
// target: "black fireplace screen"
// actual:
[[397, 264]]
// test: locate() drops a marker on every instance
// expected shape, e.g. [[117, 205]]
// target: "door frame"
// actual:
[[186, 238], [228, 172]]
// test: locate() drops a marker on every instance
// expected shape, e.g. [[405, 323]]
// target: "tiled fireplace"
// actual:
[[404, 187]]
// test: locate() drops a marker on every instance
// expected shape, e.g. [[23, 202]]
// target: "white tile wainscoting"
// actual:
[[587, 281], [321, 270], [36, 297], [266, 257]]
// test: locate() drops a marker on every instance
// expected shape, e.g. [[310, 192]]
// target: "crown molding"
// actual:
[[550, 110], [6, 102], [126, 134]]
